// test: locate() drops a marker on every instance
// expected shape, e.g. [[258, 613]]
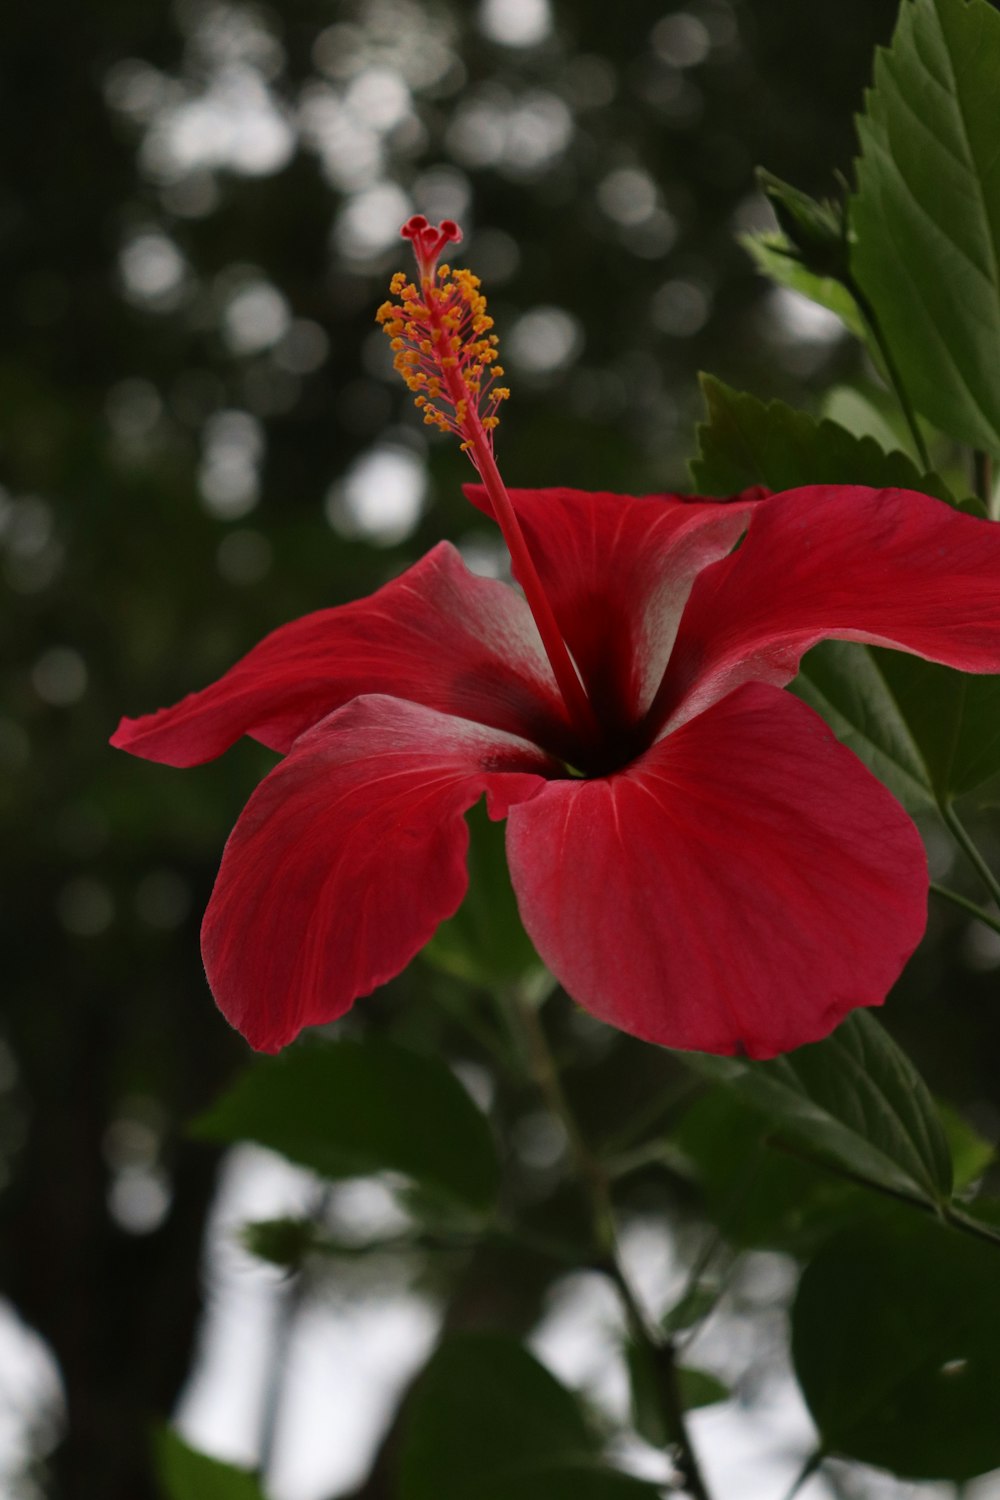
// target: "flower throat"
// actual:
[[444, 349]]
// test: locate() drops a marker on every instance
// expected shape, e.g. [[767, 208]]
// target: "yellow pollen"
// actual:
[[439, 333]]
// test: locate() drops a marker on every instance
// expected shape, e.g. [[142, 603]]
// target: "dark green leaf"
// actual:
[[771, 254], [896, 1343], [187, 1475], [854, 1099], [756, 1195], [928, 732], [746, 442], [486, 1420], [347, 1108], [954, 718], [926, 218], [845, 684], [485, 940]]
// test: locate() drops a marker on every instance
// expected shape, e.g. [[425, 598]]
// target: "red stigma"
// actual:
[[428, 242]]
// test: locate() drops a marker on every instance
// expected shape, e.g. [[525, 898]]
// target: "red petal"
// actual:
[[437, 635], [618, 570], [347, 857], [740, 887], [890, 567]]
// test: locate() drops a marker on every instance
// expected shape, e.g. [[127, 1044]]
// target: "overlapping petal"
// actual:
[[888, 567], [347, 857], [437, 635], [618, 570], [740, 887]]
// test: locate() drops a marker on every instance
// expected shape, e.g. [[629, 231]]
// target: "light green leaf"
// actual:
[[926, 217], [896, 1344], [347, 1108], [187, 1475], [746, 442], [771, 254], [971, 1154], [855, 1099], [486, 1420]]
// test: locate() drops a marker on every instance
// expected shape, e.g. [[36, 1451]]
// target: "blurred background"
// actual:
[[201, 438]]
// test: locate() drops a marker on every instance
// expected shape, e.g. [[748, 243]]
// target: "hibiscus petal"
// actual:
[[618, 570], [436, 635], [889, 567], [347, 857], [739, 888]]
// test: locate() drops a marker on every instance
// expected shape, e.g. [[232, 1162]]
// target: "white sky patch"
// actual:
[[544, 340], [31, 1399], [255, 317], [799, 320], [235, 123], [381, 498], [369, 221], [627, 195], [681, 40], [153, 271], [515, 23], [228, 473]]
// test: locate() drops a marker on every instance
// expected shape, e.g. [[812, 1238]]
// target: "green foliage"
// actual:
[[846, 684], [854, 1099], [896, 1343], [930, 733], [486, 1419], [346, 1108], [485, 941], [926, 218], [746, 441], [774, 257], [759, 1196], [186, 1475]]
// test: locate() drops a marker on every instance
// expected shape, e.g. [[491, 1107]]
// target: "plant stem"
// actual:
[[892, 370], [982, 479], [807, 1471], [595, 1182], [970, 906], [965, 843]]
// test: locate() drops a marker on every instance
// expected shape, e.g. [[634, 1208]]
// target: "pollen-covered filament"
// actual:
[[440, 332], [446, 352]]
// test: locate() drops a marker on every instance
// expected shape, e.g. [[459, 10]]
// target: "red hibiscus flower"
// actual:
[[696, 857]]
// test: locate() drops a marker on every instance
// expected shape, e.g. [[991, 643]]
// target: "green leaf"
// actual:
[[746, 442], [756, 1195], [926, 216], [487, 1420], [485, 941], [845, 684], [896, 1344], [187, 1475], [347, 1108], [928, 732], [774, 257], [854, 1099], [970, 1153], [954, 718]]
